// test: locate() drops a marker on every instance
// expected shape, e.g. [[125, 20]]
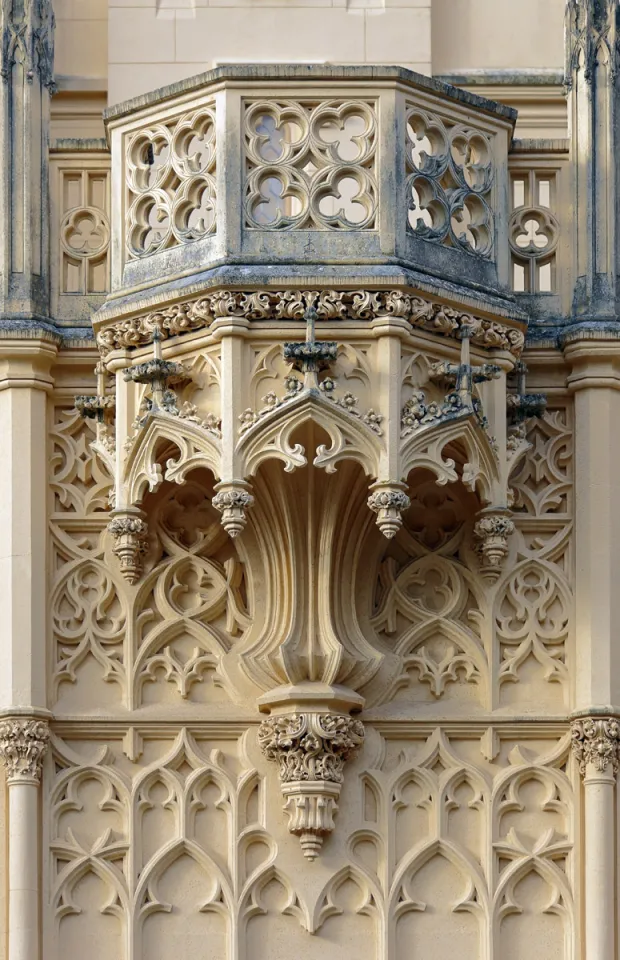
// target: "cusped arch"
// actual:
[[470, 870], [426, 449], [466, 657], [110, 875], [196, 448], [146, 896], [251, 904], [206, 640], [371, 898], [504, 901], [270, 437]]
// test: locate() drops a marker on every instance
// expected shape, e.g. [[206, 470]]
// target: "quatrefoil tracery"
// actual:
[[311, 166], [450, 178], [171, 184]]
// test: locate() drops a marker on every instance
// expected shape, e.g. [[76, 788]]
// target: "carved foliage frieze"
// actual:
[[357, 305]]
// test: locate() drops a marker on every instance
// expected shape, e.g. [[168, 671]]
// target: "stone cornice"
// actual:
[[311, 73], [363, 306]]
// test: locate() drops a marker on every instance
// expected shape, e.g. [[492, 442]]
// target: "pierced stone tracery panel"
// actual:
[[311, 165], [450, 176], [171, 193]]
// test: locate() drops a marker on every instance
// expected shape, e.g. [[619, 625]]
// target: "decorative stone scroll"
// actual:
[[596, 742], [23, 743], [356, 305], [311, 750]]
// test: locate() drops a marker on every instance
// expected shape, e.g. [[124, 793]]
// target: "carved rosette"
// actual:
[[491, 533], [232, 500], [23, 743], [596, 742], [311, 750], [389, 501], [130, 532]]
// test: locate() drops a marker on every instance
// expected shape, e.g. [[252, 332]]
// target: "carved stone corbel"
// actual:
[[311, 742], [23, 744], [596, 742], [389, 501], [491, 532], [129, 528], [232, 499]]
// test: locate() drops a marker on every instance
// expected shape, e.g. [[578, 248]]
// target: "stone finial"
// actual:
[[311, 355], [23, 744], [311, 750], [596, 742]]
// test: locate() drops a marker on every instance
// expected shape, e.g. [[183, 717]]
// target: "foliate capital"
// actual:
[[23, 744], [596, 742], [311, 750]]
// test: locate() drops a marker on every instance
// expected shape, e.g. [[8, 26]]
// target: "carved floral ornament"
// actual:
[[311, 750], [23, 744], [596, 743], [356, 305]]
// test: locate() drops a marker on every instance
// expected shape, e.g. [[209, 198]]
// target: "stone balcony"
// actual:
[[351, 176]]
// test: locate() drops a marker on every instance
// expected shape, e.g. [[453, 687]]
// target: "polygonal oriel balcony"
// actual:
[[309, 329], [273, 174]]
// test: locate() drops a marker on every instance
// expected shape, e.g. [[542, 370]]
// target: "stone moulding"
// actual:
[[353, 305]]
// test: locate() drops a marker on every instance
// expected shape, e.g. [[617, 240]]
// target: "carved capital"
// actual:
[[23, 743], [232, 500], [130, 532], [311, 750], [596, 742], [491, 533], [389, 501]]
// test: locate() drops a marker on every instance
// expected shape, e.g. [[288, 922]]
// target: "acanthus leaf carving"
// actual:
[[389, 501], [130, 532], [232, 500], [358, 305], [596, 742], [311, 750], [491, 532], [23, 744]]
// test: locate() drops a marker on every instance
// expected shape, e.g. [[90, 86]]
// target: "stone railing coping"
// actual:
[[310, 73]]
